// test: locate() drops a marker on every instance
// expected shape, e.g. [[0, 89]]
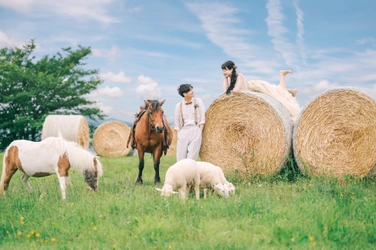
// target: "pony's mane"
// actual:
[[154, 105], [78, 157]]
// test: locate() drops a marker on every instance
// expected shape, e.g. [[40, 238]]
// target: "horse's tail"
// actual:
[[3, 172]]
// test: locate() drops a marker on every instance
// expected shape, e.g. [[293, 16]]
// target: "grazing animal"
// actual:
[[150, 135], [181, 176], [53, 155], [212, 176], [228, 185]]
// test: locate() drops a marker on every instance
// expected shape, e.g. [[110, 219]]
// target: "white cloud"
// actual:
[[6, 41], [277, 31], [148, 88], [319, 87], [77, 9], [112, 77], [107, 91], [22, 6], [109, 54]]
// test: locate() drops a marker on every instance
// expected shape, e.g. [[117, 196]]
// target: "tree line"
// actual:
[[32, 89]]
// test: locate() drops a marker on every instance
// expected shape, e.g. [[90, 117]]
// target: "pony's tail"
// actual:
[[3, 173]]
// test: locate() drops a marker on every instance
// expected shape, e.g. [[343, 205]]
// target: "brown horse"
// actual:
[[152, 134]]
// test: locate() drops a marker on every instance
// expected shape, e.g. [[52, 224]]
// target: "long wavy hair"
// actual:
[[230, 65]]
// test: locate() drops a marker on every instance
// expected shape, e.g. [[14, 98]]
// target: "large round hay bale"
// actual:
[[72, 128], [249, 133], [172, 149], [110, 139], [335, 134]]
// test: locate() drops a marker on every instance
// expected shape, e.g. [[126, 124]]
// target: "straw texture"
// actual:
[[72, 127], [172, 149], [335, 134], [110, 139], [249, 133]]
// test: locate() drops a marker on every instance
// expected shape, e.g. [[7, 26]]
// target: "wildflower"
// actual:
[[32, 232], [28, 236], [37, 234], [95, 228], [19, 233], [53, 239]]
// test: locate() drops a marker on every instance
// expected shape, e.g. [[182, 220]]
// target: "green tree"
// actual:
[[31, 89]]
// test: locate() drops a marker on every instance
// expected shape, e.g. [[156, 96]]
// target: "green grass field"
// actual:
[[289, 211]]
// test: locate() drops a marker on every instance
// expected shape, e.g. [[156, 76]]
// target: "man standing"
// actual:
[[189, 123]]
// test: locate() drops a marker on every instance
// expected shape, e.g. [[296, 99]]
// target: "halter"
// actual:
[[93, 178]]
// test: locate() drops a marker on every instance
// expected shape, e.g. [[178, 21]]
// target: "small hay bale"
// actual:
[[249, 133], [335, 134], [172, 149], [110, 139], [72, 127]]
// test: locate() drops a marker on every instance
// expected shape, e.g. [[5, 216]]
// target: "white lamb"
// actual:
[[212, 176], [181, 176]]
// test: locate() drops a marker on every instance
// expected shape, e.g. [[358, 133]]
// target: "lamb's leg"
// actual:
[[25, 179], [205, 189], [183, 192]]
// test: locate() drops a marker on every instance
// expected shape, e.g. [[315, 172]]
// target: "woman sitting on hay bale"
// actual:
[[236, 82]]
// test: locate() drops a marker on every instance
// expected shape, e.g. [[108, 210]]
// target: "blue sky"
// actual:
[[145, 49]]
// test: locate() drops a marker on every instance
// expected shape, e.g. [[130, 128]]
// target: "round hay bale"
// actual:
[[110, 139], [72, 128], [172, 149], [335, 134], [249, 133]]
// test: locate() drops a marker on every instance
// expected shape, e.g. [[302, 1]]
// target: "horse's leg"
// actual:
[[62, 186], [63, 166], [25, 179], [140, 166], [157, 158], [11, 162], [5, 179]]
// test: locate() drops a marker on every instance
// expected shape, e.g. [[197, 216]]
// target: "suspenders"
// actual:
[[181, 112]]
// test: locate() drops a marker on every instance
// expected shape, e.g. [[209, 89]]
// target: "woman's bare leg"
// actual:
[[282, 74]]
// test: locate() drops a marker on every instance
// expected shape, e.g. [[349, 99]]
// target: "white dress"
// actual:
[[277, 92]]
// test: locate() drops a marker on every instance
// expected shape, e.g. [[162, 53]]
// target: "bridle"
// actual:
[[152, 125]]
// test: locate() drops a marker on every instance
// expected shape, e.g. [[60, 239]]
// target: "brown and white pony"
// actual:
[[53, 155]]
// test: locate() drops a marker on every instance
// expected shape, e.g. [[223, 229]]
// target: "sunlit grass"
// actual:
[[282, 212]]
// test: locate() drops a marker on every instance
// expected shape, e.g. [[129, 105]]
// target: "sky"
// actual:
[[145, 49]]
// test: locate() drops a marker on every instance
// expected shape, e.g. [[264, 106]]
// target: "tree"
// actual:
[[30, 90]]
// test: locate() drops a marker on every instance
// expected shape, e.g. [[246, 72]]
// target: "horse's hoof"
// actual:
[[139, 182]]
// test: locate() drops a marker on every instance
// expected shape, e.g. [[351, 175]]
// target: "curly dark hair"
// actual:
[[184, 88]]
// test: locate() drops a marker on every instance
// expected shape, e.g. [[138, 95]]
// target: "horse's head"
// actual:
[[155, 113], [91, 176]]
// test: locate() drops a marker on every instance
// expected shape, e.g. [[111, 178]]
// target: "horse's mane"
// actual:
[[78, 157], [154, 105]]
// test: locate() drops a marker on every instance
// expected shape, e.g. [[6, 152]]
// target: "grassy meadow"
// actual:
[[288, 211]]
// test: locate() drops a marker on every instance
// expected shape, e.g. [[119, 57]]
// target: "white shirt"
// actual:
[[189, 113]]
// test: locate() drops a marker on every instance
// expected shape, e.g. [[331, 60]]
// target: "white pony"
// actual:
[[53, 155]]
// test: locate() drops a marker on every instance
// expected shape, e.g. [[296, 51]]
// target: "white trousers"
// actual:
[[189, 143]]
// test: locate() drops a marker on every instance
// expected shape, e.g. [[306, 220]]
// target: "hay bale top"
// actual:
[[335, 134], [71, 127], [249, 133], [110, 139]]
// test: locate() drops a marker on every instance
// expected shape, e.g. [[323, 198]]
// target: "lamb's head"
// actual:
[[221, 189], [230, 187], [166, 190]]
